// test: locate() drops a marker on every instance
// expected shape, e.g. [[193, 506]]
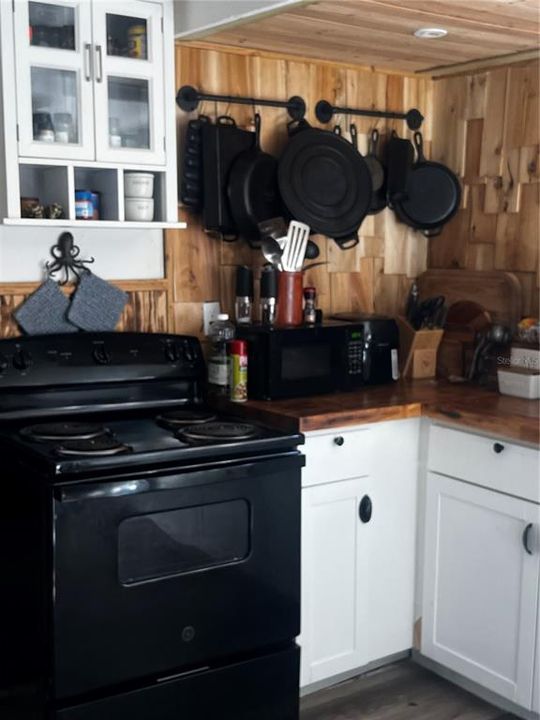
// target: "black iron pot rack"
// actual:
[[189, 97], [325, 110]]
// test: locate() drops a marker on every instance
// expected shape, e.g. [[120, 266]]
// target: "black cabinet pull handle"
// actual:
[[498, 448], [339, 440], [365, 509], [525, 538]]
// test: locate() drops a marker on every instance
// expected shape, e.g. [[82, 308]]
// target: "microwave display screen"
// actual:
[[299, 362]]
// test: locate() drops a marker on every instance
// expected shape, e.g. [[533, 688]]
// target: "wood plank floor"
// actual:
[[403, 691]]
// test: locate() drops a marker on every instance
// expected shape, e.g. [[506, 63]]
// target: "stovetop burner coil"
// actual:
[[183, 418], [219, 431], [64, 431], [102, 445]]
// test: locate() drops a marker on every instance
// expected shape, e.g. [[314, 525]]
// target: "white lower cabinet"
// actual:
[[480, 594], [331, 637], [358, 549], [536, 686]]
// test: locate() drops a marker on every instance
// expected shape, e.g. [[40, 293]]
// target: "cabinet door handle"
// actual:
[[525, 538], [339, 440], [87, 61], [99, 59], [365, 509], [498, 448]]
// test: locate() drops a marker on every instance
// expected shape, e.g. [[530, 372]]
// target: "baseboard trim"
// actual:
[[356, 672], [472, 687]]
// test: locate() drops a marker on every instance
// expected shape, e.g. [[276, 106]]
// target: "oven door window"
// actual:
[[303, 362], [164, 544]]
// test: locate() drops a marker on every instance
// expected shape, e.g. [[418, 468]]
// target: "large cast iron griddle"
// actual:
[[324, 182]]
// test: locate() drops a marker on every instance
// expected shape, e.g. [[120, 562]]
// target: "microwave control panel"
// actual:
[[355, 352]]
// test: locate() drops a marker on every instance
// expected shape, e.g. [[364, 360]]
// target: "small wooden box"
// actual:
[[418, 350]]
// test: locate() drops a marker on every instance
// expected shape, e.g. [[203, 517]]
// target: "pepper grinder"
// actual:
[[244, 295], [268, 295]]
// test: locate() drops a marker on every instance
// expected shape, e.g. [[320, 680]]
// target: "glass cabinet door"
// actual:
[[129, 82], [54, 79]]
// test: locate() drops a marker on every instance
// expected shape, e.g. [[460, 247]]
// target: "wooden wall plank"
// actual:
[[499, 228], [494, 122]]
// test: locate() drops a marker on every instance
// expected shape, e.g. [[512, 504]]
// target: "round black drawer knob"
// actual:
[[498, 448], [339, 440]]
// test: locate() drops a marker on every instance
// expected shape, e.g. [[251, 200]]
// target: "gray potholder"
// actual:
[[44, 312], [96, 305]]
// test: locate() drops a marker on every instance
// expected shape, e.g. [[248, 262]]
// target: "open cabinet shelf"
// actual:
[[51, 183]]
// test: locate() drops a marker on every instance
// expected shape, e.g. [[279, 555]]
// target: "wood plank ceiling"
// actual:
[[380, 32]]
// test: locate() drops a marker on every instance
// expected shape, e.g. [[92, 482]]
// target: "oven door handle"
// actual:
[[101, 490], [182, 478]]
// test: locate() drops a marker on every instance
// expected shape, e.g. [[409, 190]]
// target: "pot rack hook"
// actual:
[[66, 259]]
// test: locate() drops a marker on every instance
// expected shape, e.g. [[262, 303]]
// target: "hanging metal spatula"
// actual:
[[295, 247]]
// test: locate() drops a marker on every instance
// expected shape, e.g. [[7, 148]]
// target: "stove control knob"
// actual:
[[188, 351], [101, 355], [171, 352], [3, 364], [22, 360]]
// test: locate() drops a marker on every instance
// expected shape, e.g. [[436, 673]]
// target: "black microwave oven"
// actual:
[[311, 360]]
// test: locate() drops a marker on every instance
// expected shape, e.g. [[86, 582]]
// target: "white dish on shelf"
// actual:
[[138, 185], [139, 209]]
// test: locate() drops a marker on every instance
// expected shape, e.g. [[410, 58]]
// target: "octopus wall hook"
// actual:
[[66, 254]]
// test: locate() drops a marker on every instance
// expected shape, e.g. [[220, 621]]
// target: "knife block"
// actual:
[[418, 350]]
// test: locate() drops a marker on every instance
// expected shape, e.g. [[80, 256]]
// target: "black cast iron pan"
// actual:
[[378, 174], [253, 190], [432, 195], [324, 181]]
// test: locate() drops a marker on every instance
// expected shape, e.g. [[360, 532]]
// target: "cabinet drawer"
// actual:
[[491, 463], [336, 455]]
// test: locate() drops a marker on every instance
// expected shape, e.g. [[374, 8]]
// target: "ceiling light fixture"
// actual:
[[430, 33]]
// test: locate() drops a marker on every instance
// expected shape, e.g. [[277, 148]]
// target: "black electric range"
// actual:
[[151, 548]]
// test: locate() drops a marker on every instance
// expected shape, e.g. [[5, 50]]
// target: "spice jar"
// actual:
[[310, 311]]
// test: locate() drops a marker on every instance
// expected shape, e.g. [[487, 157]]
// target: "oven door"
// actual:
[[305, 361], [175, 571]]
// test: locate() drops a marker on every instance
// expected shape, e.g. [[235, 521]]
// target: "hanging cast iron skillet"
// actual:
[[378, 174], [432, 194], [376, 169], [253, 190], [324, 182]]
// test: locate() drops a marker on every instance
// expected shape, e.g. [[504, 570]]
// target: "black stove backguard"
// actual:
[[167, 589]]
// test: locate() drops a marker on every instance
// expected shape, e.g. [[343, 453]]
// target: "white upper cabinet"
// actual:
[[53, 42], [128, 89], [87, 95], [90, 80]]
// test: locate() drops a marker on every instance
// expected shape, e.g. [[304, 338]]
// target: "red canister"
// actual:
[[238, 368]]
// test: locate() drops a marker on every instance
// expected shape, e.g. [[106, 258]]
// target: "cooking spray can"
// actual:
[[238, 366]]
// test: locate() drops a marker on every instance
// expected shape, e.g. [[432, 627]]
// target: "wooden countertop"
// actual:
[[461, 404]]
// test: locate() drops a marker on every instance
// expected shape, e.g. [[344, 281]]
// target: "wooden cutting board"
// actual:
[[497, 292]]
